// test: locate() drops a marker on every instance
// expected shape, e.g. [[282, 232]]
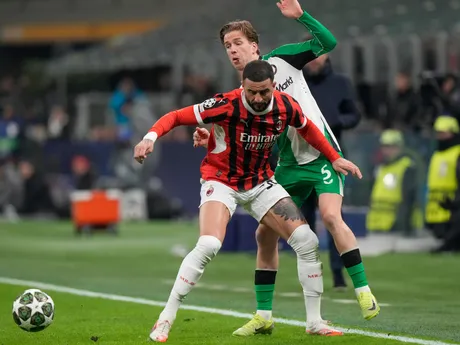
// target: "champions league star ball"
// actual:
[[33, 310]]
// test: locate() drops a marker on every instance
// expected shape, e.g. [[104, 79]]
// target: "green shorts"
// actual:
[[299, 181]]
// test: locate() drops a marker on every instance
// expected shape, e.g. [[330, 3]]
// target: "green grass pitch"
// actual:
[[419, 291]]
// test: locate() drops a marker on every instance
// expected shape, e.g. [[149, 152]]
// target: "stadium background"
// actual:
[[62, 65]]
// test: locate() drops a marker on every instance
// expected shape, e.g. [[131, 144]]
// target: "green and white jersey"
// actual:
[[287, 62]]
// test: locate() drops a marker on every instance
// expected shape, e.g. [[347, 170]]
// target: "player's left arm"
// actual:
[[299, 54]]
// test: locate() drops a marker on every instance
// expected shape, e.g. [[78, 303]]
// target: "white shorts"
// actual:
[[256, 201]]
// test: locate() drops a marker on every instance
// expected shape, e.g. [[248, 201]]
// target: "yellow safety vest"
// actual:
[[442, 183], [387, 195]]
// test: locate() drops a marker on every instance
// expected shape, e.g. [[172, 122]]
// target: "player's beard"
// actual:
[[259, 106]]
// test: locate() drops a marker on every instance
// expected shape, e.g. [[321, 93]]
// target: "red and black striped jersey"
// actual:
[[242, 139]]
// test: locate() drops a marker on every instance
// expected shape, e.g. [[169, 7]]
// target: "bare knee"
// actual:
[[332, 220], [266, 238]]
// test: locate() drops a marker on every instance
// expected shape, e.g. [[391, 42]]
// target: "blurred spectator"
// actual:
[[122, 103], [83, 176], [443, 204], [335, 97], [393, 204], [36, 195], [440, 95], [450, 96], [404, 106], [58, 123], [10, 190], [11, 130]]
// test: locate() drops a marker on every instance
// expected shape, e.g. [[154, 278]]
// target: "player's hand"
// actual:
[[142, 150], [344, 166], [290, 8], [200, 137]]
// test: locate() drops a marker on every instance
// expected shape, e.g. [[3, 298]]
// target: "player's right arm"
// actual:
[[299, 54], [210, 111]]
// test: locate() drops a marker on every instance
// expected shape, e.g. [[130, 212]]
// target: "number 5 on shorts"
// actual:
[[326, 174]]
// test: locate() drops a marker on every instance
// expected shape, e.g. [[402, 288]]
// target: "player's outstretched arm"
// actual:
[[299, 54], [184, 116], [316, 138]]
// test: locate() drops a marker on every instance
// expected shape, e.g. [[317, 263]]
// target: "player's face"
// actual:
[[258, 94], [239, 50]]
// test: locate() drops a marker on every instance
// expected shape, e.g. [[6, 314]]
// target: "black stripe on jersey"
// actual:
[[276, 115], [232, 136], [215, 118], [262, 129], [247, 154], [289, 110]]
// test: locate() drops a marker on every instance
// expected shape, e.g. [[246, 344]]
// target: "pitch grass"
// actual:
[[422, 289], [83, 320]]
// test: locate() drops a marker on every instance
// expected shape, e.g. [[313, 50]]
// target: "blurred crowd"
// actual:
[[33, 118]]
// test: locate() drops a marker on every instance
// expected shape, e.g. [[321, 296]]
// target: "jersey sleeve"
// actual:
[[212, 110], [299, 54]]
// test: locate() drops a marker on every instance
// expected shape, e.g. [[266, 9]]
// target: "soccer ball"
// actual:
[[33, 310]]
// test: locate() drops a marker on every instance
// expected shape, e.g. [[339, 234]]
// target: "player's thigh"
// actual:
[[216, 208], [271, 205], [261, 198], [330, 209], [296, 182]]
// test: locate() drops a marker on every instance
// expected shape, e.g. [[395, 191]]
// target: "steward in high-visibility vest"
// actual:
[[394, 193], [443, 199]]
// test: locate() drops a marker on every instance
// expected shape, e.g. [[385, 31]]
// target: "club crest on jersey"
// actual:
[[210, 191], [279, 125]]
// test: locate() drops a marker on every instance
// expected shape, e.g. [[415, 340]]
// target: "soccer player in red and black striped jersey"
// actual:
[[246, 123]]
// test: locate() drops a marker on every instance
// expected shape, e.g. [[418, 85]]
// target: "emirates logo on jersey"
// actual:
[[210, 191], [259, 141]]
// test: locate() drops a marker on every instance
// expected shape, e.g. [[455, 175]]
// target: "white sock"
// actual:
[[305, 243], [266, 314], [189, 274], [362, 289]]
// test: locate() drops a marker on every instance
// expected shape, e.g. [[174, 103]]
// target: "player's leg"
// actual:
[[217, 206], [273, 207], [330, 195], [267, 264], [264, 283]]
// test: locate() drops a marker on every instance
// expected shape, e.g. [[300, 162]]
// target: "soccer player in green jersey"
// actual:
[[301, 169]]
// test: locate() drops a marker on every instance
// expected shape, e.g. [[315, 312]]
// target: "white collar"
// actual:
[[252, 111]]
